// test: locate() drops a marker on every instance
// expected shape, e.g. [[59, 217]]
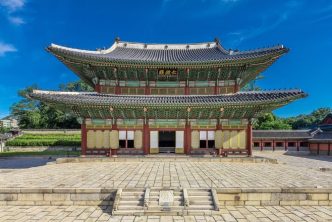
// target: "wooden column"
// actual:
[[98, 88], [147, 88], [187, 139], [236, 87], [298, 145], [318, 148], [329, 149], [113, 152], [186, 88], [261, 144], [249, 138], [117, 89], [83, 139], [273, 145], [146, 139], [286, 146], [216, 88]]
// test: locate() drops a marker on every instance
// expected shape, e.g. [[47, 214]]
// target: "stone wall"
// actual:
[[56, 196], [274, 196]]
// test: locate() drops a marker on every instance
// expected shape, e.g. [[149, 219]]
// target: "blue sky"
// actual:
[[28, 26]]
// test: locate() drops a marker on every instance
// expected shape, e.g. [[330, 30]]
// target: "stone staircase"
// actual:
[[202, 200], [153, 201]]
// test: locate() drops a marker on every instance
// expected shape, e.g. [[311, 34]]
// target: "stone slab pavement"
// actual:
[[23, 162], [229, 214], [298, 159], [292, 171]]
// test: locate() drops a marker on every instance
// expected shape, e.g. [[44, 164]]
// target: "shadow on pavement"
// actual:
[[24, 162]]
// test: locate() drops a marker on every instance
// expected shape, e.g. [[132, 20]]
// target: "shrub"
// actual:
[[46, 140]]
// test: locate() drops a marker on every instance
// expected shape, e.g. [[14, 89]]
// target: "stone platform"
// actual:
[[291, 182], [166, 158]]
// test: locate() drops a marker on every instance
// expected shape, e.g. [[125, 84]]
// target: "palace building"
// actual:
[[167, 98]]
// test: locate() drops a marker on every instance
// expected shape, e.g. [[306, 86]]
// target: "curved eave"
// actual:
[[98, 58]]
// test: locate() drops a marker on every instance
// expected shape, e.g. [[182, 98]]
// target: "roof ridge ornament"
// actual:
[[117, 39]]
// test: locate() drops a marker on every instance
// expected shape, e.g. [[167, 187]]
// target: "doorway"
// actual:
[[167, 141]]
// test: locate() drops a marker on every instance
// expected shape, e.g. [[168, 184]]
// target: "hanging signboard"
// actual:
[[167, 72]]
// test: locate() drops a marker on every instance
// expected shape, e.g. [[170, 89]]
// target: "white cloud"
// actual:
[[5, 48], [12, 5], [16, 20]]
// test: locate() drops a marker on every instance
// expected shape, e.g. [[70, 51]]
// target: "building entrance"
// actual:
[[167, 141]]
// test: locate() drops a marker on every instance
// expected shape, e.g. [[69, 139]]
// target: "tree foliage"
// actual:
[[270, 121], [309, 121], [37, 115]]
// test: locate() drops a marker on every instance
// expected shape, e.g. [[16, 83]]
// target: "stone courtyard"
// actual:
[[291, 171], [228, 214]]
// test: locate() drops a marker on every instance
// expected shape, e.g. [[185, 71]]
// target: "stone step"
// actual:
[[131, 202], [130, 207], [165, 209], [133, 190], [156, 203], [125, 193], [199, 193], [132, 198], [157, 193], [200, 202], [157, 197], [208, 198], [199, 190], [201, 207]]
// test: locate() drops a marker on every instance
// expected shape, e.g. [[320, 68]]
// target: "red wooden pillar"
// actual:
[[98, 88], [216, 88], [83, 139], [236, 87], [186, 88], [147, 88], [146, 139], [187, 139], [249, 138], [329, 150], [286, 146], [298, 145], [318, 148], [273, 145], [117, 89], [261, 144]]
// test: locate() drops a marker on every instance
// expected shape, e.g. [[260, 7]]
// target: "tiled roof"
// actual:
[[282, 134], [84, 98], [323, 136], [166, 53]]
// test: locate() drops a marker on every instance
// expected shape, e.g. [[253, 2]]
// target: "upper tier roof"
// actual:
[[130, 52]]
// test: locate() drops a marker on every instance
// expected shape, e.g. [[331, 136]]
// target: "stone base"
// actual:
[[163, 157]]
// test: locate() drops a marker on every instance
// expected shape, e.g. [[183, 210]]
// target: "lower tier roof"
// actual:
[[237, 105]]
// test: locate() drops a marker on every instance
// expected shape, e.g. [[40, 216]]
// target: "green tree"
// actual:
[[269, 121], [34, 114], [4, 130], [308, 121], [78, 86]]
